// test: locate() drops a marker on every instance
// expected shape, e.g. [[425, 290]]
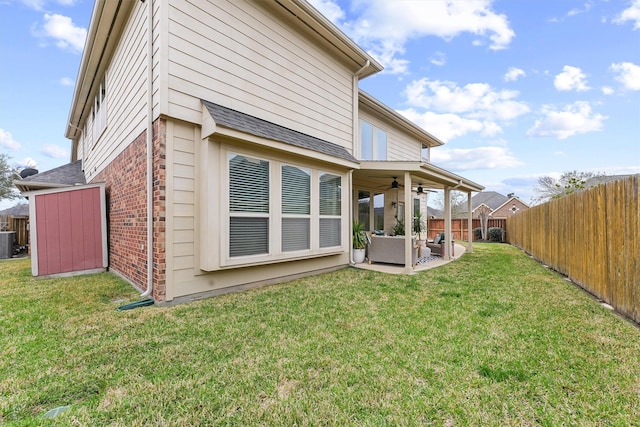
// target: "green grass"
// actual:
[[493, 339]]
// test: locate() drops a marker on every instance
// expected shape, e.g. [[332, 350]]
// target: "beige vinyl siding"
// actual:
[[126, 92], [184, 231], [400, 146], [236, 54], [180, 198]]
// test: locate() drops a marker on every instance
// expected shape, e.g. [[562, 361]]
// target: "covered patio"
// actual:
[[386, 193]]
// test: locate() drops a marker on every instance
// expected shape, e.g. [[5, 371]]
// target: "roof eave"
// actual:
[[107, 22], [331, 35]]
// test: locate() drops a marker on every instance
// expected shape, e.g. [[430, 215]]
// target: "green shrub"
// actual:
[[495, 234], [477, 233]]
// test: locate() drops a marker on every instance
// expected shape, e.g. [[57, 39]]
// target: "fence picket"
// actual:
[[593, 237]]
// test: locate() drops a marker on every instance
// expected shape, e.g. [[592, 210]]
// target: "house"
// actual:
[[235, 145], [498, 206]]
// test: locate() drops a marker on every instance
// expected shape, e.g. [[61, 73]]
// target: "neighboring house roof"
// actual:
[[21, 209], [62, 176], [597, 180], [233, 119], [490, 198]]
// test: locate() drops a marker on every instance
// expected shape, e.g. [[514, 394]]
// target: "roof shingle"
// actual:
[[236, 120]]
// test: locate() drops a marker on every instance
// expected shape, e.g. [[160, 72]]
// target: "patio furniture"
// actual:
[[437, 246], [390, 250]]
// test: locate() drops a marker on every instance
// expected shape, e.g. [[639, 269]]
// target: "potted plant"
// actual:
[[359, 241], [418, 227], [398, 229], [418, 224]]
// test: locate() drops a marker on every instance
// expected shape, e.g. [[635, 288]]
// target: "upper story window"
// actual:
[[373, 142], [100, 111], [424, 153]]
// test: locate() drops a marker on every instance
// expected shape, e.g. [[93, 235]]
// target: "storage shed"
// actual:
[[68, 230]]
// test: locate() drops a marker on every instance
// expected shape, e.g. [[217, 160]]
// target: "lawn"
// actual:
[[493, 339]]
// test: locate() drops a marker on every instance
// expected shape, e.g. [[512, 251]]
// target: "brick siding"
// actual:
[[126, 193]]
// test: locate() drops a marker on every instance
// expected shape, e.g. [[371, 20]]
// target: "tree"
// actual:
[[458, 203], [8, 174], [549, 188]]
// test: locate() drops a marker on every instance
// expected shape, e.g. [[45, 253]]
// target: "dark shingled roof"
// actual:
[[69, 174], [21, 209], [233, 119], [490, 198]]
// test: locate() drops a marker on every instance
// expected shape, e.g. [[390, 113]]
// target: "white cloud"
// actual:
[[61, 29], [329, 9], [607, 90], [628, 74], [54, 151], [477, 100], [448, 126], [573, 119], [571, 78], [66, 81], [383, 28], [40, 5], [27, 162], [586, 8], [438, 58], [492, 157], [7, 141], [632, 13], [513, 74]]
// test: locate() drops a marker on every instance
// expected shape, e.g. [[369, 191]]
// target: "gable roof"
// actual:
[[491, 199], [597, 180], [62, 176], [252, 125], [21, 209]]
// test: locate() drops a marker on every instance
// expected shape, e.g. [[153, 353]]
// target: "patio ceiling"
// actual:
[[379, 174]]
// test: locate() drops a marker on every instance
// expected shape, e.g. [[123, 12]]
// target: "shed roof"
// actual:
[[62, 176]]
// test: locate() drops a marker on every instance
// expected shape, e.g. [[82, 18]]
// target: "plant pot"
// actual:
[[358, 256]]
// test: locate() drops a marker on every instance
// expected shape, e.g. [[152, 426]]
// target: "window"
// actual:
[[330, 210], [296, 208], [424, 153], [378, 211], [278, 211], [248, 206], [373, 142], [100, 111], [364, 209]]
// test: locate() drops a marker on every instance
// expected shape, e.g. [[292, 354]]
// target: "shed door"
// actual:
[[70, 234]]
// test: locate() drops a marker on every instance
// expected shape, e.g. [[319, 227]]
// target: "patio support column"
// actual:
[[408, 222], [446, 251], [470, 222]]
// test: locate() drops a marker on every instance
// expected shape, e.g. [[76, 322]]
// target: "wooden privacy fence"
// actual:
[[593, 237], [19, 224], [459, 227]]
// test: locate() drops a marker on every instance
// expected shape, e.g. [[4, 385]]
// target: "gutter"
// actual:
[[354, 96], [149, 150]]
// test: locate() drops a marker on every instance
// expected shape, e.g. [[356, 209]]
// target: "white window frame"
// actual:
[[375, 142], [99, 112], [276, 253]]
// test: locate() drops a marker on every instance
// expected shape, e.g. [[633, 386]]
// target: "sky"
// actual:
[[516, 89]]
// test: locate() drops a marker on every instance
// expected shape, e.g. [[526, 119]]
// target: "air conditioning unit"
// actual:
[[6, 243]]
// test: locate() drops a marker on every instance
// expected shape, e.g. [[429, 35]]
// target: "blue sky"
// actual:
[[515, 89]]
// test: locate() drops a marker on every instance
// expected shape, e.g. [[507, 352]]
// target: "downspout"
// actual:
[[149, 149], [355, 81]]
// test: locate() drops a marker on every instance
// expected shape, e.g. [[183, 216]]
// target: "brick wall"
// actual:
[[126, 192], [159, 209]]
